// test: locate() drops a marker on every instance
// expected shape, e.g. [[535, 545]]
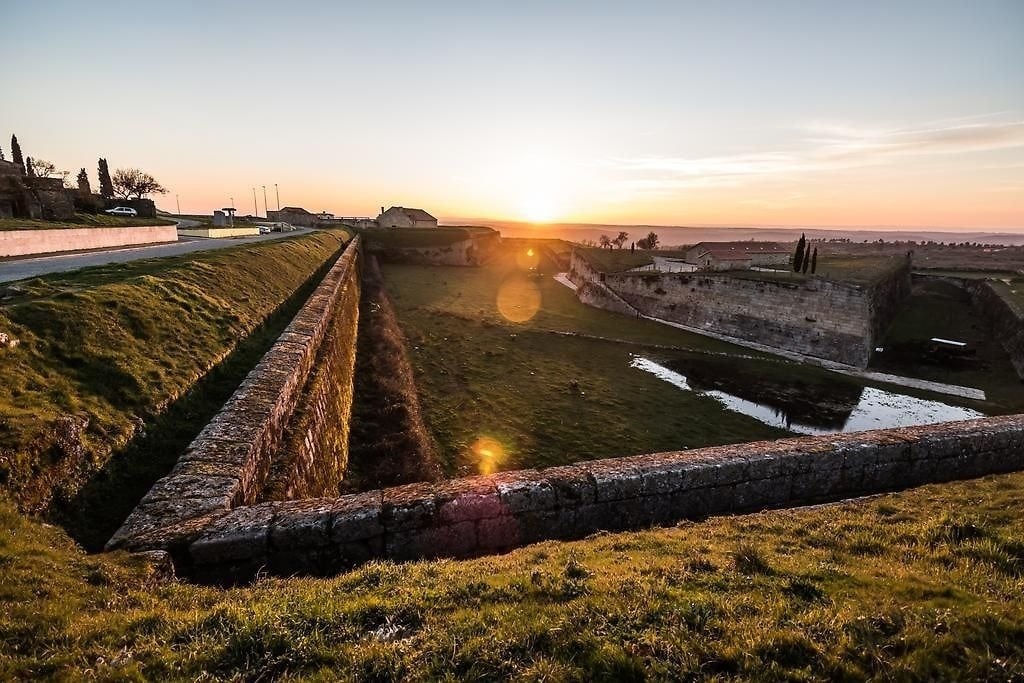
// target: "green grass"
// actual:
[[921, 585], [550, 399], [105, 350], [80, 220], [865, 270], [615, 260]]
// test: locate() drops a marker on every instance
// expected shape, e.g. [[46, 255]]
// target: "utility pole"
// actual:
[[231, 213], [255, 206], [177, 201], [265, 214], [277, 194]]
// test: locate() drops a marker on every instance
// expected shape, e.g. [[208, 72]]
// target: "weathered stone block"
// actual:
[[470, 499], [357, 517], [498, 533], [411, 506], [572, 485], [242, 534], [302, 524], [179, 486], [524, 491]]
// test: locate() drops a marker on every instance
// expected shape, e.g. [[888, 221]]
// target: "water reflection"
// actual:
[[875, 409]]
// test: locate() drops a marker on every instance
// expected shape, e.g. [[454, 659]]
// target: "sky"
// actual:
[[661, 113]]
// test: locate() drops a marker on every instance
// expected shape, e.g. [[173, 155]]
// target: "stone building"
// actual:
[[737, 255], [402, 217], [25, 197], [293, 215]]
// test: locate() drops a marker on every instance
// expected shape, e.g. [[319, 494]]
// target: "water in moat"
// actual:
[[870, 409]]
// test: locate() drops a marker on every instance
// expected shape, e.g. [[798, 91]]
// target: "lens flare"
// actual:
[[518, 299], [527, 259], [488, 454]]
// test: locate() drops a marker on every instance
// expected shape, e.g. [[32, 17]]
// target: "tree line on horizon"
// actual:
[[124, 183]]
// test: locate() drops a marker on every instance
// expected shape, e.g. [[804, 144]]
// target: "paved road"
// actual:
[[58, 263]]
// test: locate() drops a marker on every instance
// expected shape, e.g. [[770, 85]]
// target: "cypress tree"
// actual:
[[2, 154], [798, 257], [106, 185], [807, 263], [83, 183], [16, 154], [814, 261], [28, 168]]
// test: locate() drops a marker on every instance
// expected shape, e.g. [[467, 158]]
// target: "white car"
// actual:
[[122, 211], [264, 230]]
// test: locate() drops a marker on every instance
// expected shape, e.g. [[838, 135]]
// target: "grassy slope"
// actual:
[[921, 585], [81, 220], [115, 344], [398, 238]]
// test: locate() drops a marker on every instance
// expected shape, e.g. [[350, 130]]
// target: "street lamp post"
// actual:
[[177, 200], [276, 194], [265, 202], [255, 205], [231, 213]]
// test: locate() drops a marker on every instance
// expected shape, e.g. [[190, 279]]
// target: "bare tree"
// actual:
[[132, 183], [604, 241], [41, 168]]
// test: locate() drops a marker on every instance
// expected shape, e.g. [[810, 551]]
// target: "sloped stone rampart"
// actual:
[[828, 319], [488, 514], [229, 462]]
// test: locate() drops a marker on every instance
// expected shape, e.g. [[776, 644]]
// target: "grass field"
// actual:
[[550, 399], [81, 220], [398, 238], [104, 350], [921, 585]]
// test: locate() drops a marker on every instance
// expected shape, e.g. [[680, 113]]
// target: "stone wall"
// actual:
[[1005, 320], [29, 242], [828, 319], [475, 251], [487, 514], [314, 457], [229, 463]]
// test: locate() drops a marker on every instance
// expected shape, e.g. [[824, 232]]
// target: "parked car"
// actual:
[[122, 211], [264, 230]]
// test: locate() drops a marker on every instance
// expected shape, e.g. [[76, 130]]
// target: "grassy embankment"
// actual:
[[551, 399], [920, 585], [105, 351], [411, 238], [80, 220]]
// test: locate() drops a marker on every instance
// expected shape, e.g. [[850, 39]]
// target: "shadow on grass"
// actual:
[[99, 508]]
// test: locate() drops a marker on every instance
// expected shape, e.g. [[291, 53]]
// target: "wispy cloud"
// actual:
[[826, 147]]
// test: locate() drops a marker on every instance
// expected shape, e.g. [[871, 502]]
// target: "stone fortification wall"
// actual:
[[229, 463], [817, 317], [478, 515], [28, 242], [314, 456], [1005, 319], [475, 251]]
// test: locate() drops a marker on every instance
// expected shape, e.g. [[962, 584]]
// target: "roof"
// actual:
[[414, 214], [293, 209], [751, 248]]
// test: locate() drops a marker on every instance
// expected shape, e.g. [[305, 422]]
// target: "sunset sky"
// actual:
[[875, 113]]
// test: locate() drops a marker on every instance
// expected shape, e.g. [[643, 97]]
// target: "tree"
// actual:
[[604, 241], [106, 186], [83, 183], [814, 261], [29, 168], [40, 168], [132, 183], [620, 239], [16, 154], [806, 264], [2, 154], [798, 257], [649, 242]]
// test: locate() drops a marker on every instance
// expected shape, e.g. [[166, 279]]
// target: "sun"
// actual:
[[540, 208]]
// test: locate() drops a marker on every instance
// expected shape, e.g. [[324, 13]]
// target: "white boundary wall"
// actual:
[[29, 242]]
